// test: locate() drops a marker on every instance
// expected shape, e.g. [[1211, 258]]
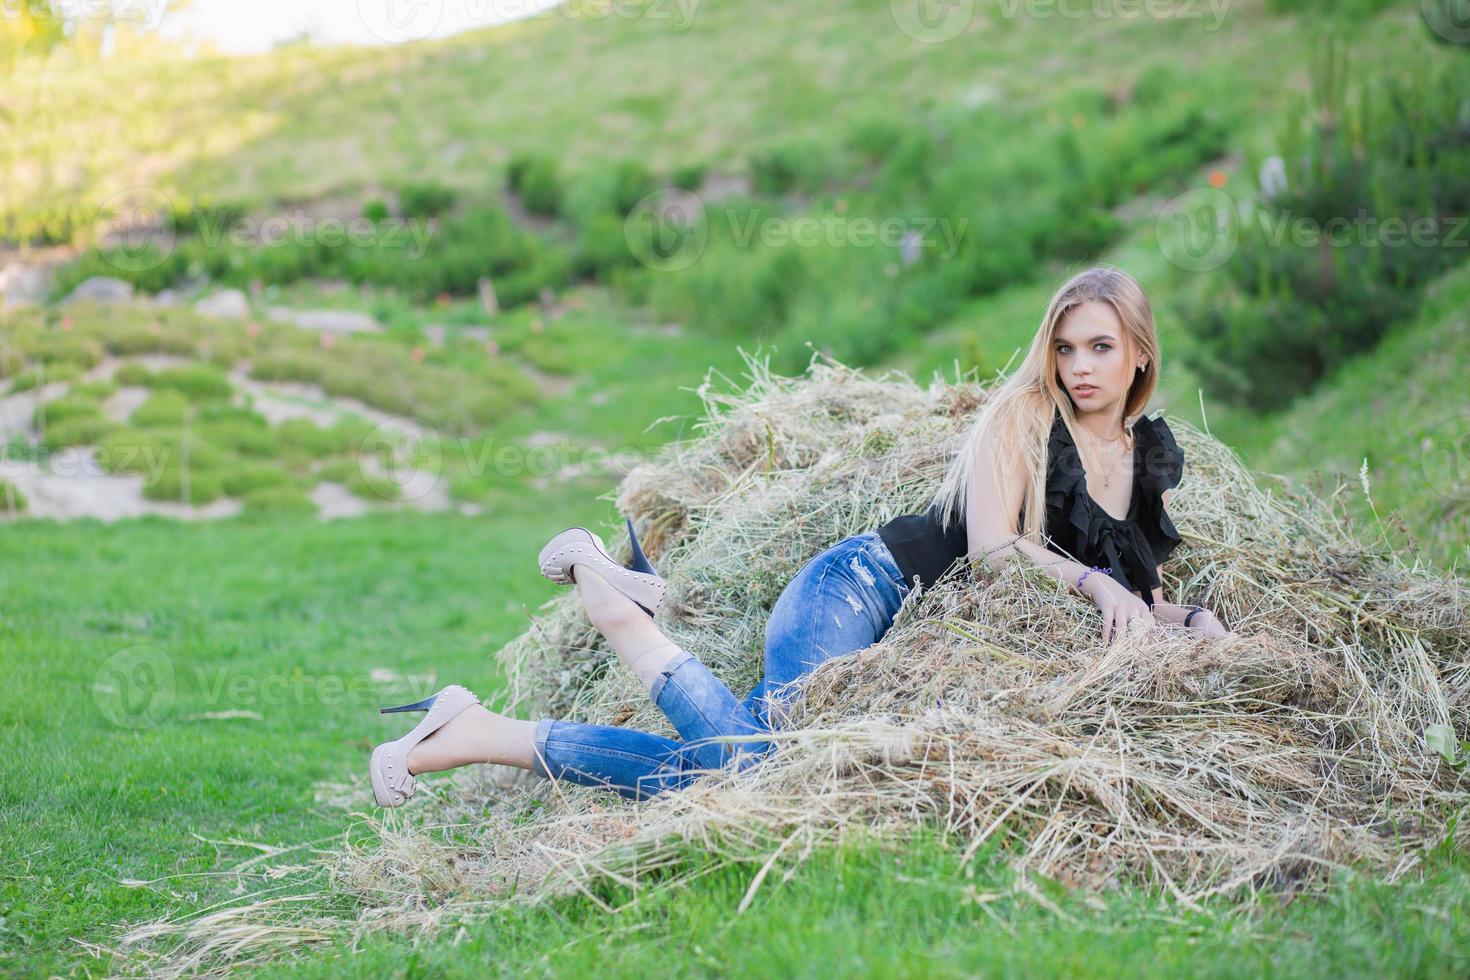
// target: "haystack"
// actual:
[[991, 710]]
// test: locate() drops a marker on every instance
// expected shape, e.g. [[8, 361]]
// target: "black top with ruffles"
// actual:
[[1076, 525]]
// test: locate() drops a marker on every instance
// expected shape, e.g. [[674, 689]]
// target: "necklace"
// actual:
[[1107, 471]]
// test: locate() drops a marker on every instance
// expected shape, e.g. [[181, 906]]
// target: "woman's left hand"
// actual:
[[1206, 622]]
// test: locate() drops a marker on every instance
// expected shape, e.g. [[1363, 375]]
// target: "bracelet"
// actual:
[[1194, 611], [1083, 577]]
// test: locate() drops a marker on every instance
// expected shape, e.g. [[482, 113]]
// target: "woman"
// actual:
[[1051, 446]]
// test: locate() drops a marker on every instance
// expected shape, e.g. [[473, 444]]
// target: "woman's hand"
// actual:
[[1207, 623], [1120, 608]]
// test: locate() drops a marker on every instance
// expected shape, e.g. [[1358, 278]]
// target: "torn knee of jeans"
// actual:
[[852, 602], [862, 571]]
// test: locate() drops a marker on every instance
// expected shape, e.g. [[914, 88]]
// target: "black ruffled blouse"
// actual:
[[1076, 525]]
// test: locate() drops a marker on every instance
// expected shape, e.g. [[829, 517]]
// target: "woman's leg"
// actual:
[[700, 706], [842, 601]]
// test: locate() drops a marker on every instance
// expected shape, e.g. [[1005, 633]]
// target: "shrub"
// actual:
[[250, 478], [83, 430], [424, 199], [243, 437], [133, 373], [781, 169], [538, 182], [27, 380], [162, 409], [69, 406], [375, 211], [306, 438], [98, 391], [197, 382], [689, 176], [631, 183], [127, 450], [1291, 309], [203, 485]]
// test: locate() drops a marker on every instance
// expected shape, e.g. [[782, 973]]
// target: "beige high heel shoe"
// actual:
[[393, 784], [638, 581]]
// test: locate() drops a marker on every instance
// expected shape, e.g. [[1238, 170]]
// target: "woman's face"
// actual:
[[1094, 365]]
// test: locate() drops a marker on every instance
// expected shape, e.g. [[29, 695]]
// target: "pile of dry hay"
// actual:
[[991, 708]]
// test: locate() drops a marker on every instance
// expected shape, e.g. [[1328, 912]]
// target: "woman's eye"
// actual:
[[1105, 346]]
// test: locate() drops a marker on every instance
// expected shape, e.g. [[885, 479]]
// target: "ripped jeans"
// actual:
[[841, 601]]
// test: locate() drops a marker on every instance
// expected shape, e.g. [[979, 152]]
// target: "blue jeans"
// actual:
[[841, 601]]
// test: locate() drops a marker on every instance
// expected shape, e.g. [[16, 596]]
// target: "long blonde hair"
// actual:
[[1018, 414]]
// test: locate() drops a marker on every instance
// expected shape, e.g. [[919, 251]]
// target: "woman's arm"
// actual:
[[1205, 621], [991, 533]]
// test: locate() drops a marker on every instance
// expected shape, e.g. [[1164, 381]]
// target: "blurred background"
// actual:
[[318, 318], [334, 255]]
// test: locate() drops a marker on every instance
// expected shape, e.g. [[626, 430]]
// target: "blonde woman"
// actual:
[[1060, 467]]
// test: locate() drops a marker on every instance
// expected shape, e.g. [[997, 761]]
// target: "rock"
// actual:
[[1273, 178], [327, 321], [22, 284], [489, 302], [169, 297], [230, 303], [101, 289]]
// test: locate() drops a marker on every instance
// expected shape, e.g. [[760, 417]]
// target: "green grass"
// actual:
[[288, 619]]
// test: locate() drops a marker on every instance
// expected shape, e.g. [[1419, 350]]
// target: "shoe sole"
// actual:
[[580, 542]]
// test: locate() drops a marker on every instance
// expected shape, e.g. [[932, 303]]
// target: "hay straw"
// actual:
[[1188, 766]]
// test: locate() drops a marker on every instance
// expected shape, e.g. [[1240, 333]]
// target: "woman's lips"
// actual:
[[1084, 392]]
